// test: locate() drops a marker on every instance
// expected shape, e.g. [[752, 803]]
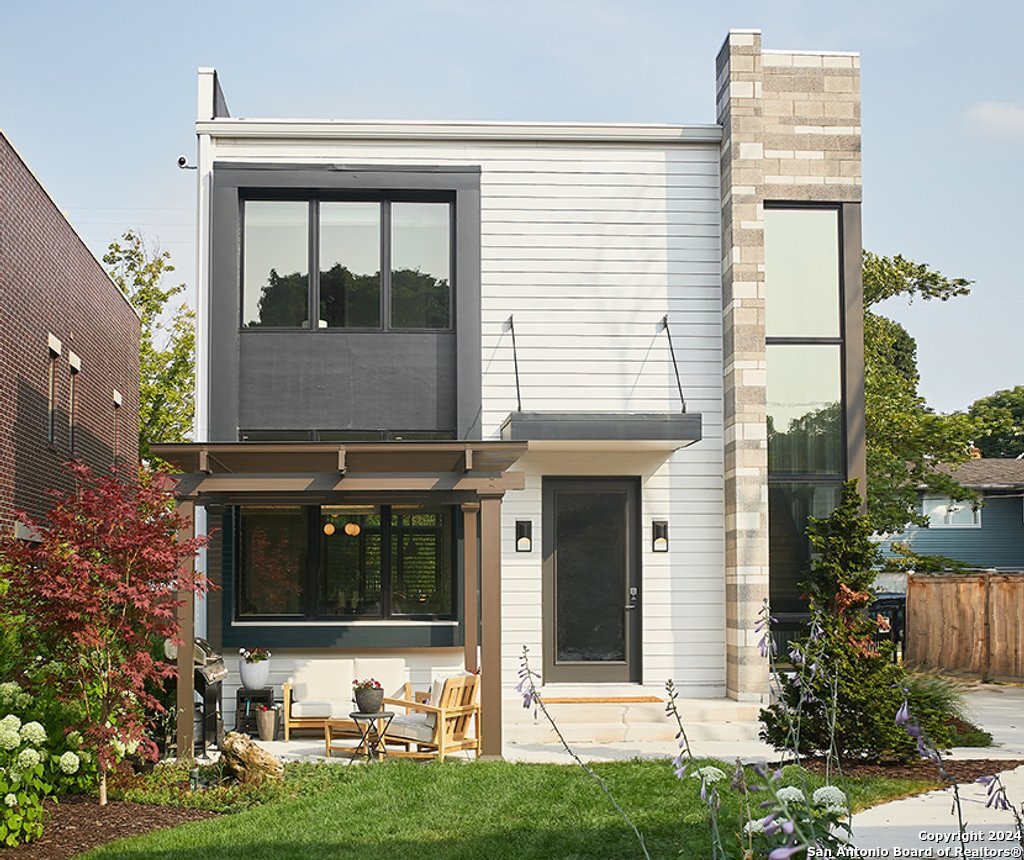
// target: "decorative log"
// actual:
[[250, 763]]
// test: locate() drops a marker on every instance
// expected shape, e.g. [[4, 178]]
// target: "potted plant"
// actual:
[[254, 667], [266, 722], [369, 695]]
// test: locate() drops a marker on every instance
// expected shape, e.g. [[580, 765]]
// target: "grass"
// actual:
[[459, 811]]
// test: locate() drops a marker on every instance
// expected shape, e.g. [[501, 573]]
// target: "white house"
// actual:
[[593, 376]]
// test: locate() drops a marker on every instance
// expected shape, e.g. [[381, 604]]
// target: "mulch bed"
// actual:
[[962, 770], [78, 824]]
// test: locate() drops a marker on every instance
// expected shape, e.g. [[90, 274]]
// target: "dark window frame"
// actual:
[[51, 396], [845, 233], [314, 573], [314, 198], [323, 435]]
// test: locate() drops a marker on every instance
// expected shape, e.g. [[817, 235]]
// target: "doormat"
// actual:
[[599, 700]]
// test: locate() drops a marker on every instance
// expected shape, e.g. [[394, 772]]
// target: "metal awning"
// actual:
[[667, 430]]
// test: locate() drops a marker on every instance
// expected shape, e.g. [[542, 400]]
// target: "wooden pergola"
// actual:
[[471, 475]]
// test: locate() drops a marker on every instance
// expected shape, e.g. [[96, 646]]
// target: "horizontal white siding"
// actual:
[[589, 246]]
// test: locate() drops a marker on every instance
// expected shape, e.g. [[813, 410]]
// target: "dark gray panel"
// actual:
[[853, 294], [603, 426], [225, 301], [393, 380], [339, 380]]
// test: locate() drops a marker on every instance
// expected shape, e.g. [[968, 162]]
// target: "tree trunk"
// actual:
[[103, 786]]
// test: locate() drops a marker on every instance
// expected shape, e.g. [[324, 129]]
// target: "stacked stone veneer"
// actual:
[[791, 132]]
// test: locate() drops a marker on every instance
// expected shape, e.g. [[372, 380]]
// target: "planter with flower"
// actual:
[[369, 695], [266, 722], [254, 667]]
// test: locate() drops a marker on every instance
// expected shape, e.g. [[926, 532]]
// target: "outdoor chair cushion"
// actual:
[[412, 727], [320, 709]]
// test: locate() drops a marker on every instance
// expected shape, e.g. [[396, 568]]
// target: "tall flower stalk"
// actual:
[[527, 688]]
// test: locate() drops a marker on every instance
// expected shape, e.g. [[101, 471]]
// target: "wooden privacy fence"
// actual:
[[971, 623]]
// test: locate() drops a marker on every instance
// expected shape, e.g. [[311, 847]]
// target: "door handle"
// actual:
[[632, 599]]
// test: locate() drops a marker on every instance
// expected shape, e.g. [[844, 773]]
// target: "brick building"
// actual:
[[69, 350]]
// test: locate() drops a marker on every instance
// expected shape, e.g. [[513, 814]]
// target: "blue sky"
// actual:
[[100, 99]]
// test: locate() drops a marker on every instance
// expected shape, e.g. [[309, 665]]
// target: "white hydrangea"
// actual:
[[34, 733], [12, 696], [709, 774], [10, 800], [74, 739], [9, 738], [119, 747], [10, 722], [790, 794], [28, 758], [830, 796], [753, 827], [69, 763]]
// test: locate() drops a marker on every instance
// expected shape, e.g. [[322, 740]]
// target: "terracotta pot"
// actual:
[[266, 724]]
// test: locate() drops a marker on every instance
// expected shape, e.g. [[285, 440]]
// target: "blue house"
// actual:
[[987, 535]]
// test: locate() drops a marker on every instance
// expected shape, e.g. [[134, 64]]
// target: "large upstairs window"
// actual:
[[383, 264]]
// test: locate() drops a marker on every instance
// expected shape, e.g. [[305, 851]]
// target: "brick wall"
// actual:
[[51, 286], [791, 132]]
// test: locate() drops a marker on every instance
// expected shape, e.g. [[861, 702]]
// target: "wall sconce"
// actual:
[[659, 536], [524, 535], [329, 528], [353, 529]]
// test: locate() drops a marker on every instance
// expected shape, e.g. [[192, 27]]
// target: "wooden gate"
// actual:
[[971, 623]]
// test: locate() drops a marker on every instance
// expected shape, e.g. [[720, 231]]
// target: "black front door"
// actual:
[[591, 580]]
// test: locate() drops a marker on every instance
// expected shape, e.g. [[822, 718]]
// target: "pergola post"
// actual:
[[470, 578], [186, 631], [490, 602]]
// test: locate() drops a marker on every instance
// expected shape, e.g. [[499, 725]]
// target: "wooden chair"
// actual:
[[438, 723]]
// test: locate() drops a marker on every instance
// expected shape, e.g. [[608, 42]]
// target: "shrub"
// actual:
[[34, 764], [846, 690]]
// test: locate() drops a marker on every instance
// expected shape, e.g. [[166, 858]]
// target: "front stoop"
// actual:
[[598, 719]]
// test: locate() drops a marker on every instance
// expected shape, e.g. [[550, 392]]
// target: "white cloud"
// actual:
[[998, 118]]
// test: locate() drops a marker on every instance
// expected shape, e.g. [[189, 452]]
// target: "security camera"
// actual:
[[183, 163]]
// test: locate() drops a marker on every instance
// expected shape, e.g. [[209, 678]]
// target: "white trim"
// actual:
[[459, 130], [54, 343], [812, 53], [74, 361]]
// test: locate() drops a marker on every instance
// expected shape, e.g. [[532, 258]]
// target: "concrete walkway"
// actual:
[[917, 824]]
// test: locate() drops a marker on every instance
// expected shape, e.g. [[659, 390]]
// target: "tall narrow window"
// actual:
[[117, 427], [75, 366], [350, 264], [275, 287], [51, 396], [420, 265]]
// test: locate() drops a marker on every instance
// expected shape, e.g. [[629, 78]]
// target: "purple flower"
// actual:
[[785, 852], [985, 780]]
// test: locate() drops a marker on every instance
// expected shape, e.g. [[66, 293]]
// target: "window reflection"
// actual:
[[350, 265], [420, 265], [805, 416], [801, 272], [272, 562], [275, 281]]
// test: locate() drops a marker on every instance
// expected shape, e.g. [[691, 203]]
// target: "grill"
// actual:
[[210, 673]]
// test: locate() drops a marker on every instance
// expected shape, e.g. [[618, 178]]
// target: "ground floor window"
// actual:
[[346, 561]]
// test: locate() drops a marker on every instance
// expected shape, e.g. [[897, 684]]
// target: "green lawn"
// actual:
[[458, 811]]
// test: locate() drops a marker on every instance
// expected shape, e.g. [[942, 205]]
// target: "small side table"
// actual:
[[245, 707], [373, 730]]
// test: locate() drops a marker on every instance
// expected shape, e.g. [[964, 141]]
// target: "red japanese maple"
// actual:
[[98, 588]]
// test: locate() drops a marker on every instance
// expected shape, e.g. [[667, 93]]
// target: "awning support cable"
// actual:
[[675, 365]]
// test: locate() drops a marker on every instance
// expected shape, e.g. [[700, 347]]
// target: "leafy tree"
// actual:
[[1002, 414], [95, 591], [907, 442], [167, 347]]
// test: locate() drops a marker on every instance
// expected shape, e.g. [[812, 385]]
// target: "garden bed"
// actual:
[[77, 824], [962, 770]]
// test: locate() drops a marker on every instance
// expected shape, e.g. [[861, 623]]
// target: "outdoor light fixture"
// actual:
[[353, 529], [524, 535], [329, 529], [659, 535]]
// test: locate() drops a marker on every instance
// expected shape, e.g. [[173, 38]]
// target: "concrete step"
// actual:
[[692, 711], [541, 732]]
